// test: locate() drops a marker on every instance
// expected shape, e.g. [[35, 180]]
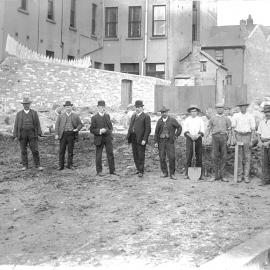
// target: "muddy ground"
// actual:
[[72, 216]]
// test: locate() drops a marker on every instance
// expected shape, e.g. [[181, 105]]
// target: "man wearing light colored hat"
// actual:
[[67, 125], [193, 128], [219, 125], [264, 142], [243, 124], [167, 130], [26, 130]]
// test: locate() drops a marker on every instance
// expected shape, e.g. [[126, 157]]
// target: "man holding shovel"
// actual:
[[243, 124], [193, 131], [264, 142], [219, 125], [167, 130]]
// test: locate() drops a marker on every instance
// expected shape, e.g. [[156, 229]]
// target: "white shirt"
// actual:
[[101, 114], [243, 122], [26, 111], [193, 125], [165, 119], [68, 114], [264, 129]]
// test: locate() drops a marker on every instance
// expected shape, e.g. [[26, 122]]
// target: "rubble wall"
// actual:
[[48, 84]]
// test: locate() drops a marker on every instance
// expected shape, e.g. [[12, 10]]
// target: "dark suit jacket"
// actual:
[[61, 121], [173, 126], [142, 127], [97, 124], [18, 124]]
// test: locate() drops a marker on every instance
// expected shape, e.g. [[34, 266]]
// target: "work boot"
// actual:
[[173, 177], [100, 174], [164, 175], [246, 179], [140, 175], [223, 179]]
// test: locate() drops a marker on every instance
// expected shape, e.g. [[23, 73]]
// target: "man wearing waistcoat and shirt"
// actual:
[[101, 127], [66, 127], [167, 130], [26, 130], [219, 125], [243, 124], [264, 142], [193, 128], [138, 133]]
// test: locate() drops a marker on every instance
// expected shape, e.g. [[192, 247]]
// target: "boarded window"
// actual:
[[159, 20], [111, 17], [134, 21]]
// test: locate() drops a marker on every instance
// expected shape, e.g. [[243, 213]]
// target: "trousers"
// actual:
[[219, 153], [67, 140]]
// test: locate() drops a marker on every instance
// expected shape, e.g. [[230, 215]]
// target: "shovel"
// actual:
[[194, 173]]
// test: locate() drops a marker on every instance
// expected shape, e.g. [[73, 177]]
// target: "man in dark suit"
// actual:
[[67, 125], [26, 130], [138, 133], [101, 127], [167, 130]]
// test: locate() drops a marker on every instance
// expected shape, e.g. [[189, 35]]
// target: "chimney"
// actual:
[[250, 24], [243, 28]]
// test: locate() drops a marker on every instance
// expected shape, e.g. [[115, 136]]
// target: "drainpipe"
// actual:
[[38, 26], [61, 41], [145, 36]]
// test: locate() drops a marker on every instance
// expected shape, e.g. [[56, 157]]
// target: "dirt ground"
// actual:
[[72, 216]]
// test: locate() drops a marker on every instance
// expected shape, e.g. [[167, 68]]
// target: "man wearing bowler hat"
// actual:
[[138, 133], [264, 142], [193, 127], [167, 130], [219, 125], [26, 130], [101, 127], [66, 127], [243, 124]]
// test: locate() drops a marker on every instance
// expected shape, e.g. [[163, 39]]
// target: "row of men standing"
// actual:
[[68, 124]]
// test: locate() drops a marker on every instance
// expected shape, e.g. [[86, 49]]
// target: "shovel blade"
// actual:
[[194, 173]]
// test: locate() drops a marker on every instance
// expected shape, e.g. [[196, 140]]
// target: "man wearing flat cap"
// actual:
[[138, 133], [167, 130], [219, 125], [26, 130], [101, 127], [193, 128], [264, 143], [67, 125], [243, 124]]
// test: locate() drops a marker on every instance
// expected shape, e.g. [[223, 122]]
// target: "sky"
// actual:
[[230, 12]]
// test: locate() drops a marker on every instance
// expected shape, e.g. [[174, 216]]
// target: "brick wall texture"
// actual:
[[48, 84]]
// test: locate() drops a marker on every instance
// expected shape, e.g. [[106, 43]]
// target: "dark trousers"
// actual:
[[138, 151], [109, 151], [266, 165], [189, 152], [67, 140], [219, 154], [28, 137], [166, 149]]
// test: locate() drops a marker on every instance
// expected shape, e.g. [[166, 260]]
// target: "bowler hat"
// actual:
[[26, 100], [164, 109], [138, 103], [266, 108], [193, 107], [101, 103], [68, 103]]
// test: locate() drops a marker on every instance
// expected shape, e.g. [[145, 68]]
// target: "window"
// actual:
[[195, 20], [134, 21], [203, 66], [111, 15], [97, 65], [156, 70], [159, 20], [50, 15], [23, 4], [131, 68], [50, 54], [94, 14], [73, 14], [109, 67], [70, 57], [220, 56], [229, 79]]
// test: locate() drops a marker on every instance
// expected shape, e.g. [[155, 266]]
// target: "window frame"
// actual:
[[108, 23], [24, 6], [94, 17], [50, 54], [219, 55], [154, 74], [153, 22], [52, 11], [203, 66], [107, 65], [72, 19], [136, 70], [133, 22]]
